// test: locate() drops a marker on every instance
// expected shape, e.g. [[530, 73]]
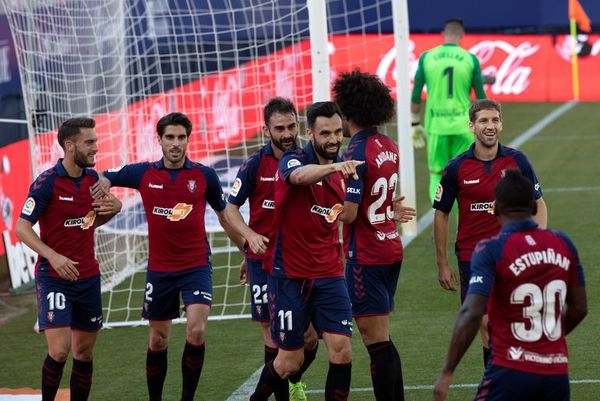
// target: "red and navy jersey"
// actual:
[[63, 206], [305, 240], [526, 273], [471, 182], [255, 181], [373, 238], [175, 202]]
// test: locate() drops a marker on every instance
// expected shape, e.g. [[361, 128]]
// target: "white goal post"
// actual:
[[126, 63]]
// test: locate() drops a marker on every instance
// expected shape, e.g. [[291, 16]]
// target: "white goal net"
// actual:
[[129, 62]]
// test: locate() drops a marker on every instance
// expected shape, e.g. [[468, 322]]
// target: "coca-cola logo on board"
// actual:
[[512, 75]]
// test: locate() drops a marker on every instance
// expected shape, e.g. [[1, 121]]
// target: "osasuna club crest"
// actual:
[[192, 185]]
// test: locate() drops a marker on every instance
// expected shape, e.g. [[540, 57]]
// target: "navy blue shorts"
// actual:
[[464, 271], [75, 304], [372, 288], [295, 303], [161, 298], [504, 384], [257, 278]]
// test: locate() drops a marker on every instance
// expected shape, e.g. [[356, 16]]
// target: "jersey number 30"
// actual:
[[543, 315], [383, 188]]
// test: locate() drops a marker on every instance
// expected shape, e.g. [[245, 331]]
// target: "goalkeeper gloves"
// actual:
[[418, 132]]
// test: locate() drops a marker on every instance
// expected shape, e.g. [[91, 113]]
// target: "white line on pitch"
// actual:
[[571, 189], [248, 386], [430, 387]]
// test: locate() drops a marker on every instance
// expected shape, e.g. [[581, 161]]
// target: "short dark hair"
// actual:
[[454, 26], [174, 119], [514, 193], [483, 104], [321, 109], [279, 105], [363, 98], [72, 127]]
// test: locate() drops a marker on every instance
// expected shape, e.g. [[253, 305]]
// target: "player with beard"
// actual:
[[470, 179], [304, 257], [255, 182], [174, 192], [67, 272]]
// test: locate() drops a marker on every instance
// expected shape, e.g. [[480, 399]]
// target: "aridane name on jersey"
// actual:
[[84, 222], [176, 213], [330, 214]]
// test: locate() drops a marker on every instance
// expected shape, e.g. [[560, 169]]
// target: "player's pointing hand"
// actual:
[[348, 168]]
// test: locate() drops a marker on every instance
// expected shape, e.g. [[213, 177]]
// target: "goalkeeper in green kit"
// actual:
[[449, 72]]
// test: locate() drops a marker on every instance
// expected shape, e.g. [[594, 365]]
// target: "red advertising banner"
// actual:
[[226, 107]]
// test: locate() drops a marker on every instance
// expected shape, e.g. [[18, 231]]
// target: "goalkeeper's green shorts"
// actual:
[[442, 148]]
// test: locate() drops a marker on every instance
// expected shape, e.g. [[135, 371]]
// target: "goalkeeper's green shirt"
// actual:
[[449, 72]]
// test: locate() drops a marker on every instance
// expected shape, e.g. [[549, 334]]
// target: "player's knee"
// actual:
[[195, 334], [340, 352], [85, 354], [286, 367], [59, 355], [311, 339], [158, 341]]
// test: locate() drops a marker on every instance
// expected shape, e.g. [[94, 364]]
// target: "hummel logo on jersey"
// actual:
[[267, 178], [65, 198], [84, 222], [471, 182], [476, 280], [481, 206], [268, 204], [330, 214], [515, 353], [178, 212], [155, 186], [380, 235], [530, 241], [391, 235], [197, 292]]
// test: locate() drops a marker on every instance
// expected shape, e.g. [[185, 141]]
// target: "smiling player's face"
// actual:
[[85, 147], [283, 130], [174, 143], [326, 136]]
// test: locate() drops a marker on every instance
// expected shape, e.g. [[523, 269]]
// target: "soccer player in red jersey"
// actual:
[[532, 282], [67, 273], [371, 239], [175, 192], [255, 182], [304, 257], [470, 179]]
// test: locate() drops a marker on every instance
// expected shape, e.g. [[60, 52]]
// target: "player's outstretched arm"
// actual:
[[64, 266], [233, 234], [403, 214], [465, 328], [106, 207], [313, 173], [576, 307], [258, 243], [440, 237], [101, 186]]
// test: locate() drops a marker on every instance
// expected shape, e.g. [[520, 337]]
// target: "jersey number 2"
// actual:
[[543, 315], [382, 187]]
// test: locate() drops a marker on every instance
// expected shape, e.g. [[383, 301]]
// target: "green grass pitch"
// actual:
[[565, 156]]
